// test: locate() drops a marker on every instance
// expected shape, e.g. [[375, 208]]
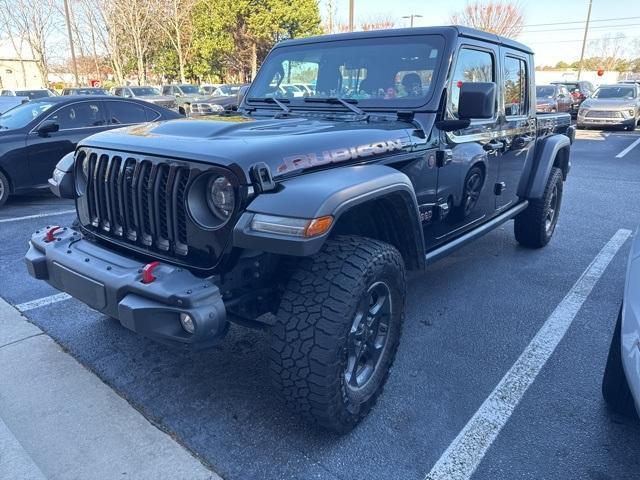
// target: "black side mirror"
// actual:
[[48, 126], [477, 100]]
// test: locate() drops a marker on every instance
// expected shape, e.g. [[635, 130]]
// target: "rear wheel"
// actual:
[[4, 189], [615, 388], [337, 330], [534, 226]]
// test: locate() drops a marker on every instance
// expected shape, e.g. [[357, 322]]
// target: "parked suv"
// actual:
[[302, 215], [611, 105], [185, 95], [148, 94]]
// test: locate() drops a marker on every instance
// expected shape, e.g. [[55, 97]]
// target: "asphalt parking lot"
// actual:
[[470, 316]]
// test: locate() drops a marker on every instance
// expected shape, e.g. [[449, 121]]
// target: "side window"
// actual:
[[515, 86], [166, 90], [152, 115], [126, 112], [79, 115], [117, 92], [472, 66]]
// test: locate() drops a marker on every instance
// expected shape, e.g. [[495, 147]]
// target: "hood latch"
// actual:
[[261, 177]]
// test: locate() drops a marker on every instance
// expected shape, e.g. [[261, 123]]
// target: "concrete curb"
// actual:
[[60, 421]]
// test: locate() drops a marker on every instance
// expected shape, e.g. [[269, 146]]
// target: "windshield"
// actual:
[[21, 115], [229, 89], [352, 69], [188, 89], [542, 92], [615, 92], [144, 91], [33, 94]]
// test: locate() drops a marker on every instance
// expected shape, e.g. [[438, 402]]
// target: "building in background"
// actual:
[[16, 72]]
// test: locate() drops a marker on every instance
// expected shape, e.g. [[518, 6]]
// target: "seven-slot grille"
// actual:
[[138, 200]]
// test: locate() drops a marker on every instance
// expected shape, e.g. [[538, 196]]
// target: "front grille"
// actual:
[[603, 114], [138, 201]]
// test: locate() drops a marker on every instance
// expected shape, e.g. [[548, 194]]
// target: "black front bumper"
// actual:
[[112, 284]]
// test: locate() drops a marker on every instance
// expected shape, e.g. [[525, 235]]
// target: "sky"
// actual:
[[551, 43]]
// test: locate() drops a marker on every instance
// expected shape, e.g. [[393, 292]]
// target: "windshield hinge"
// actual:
[[406, 115], [261, 177]]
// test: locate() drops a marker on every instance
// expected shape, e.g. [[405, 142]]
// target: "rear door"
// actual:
[[518, 128], [76, 121]]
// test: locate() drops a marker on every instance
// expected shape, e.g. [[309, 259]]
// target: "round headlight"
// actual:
[[221, 197]]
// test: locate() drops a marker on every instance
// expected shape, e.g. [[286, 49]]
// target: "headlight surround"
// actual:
[[221, 197], [212, 199]]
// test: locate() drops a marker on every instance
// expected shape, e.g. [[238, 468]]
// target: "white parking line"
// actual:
[[41, 302], [628, 149], [39, 215], [466, 452]]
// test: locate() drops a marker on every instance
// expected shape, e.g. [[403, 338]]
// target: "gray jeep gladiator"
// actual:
[[301, 215]]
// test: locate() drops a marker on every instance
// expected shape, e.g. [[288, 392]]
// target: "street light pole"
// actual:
[[351, 15], [412, 17], [584, 39], [73, 52]]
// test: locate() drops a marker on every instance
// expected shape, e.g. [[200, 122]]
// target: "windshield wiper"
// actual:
[[339, 101], [279, 103]]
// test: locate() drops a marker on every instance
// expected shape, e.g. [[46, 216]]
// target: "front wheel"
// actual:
[[534, 226], [337, 330], [4, 189], [615, 388]]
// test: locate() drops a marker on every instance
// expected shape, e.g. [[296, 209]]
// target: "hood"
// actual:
[[157, 98], [289, 146], [608, 103]]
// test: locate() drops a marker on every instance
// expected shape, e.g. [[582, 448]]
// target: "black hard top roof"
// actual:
[[396, 32]]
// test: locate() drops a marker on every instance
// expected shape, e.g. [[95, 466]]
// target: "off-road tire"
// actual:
[[530, 226], [310, 337], [615, 388], [4, 189]]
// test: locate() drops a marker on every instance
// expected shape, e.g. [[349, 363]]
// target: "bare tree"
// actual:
[[608, 49], [15, 39], [173, 18], [501, 18], [381, 22], [131, 24], [36, 23]]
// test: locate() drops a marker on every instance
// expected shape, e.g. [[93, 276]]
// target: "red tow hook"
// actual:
[[147, 272], [49, 236]]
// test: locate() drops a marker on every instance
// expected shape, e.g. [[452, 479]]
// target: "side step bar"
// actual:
[[471, 235]]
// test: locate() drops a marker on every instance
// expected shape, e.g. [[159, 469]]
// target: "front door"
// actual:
[[468, 166], [76, 121], [518, 127]]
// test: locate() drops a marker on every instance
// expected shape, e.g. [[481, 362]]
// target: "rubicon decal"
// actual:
[[307, 160]]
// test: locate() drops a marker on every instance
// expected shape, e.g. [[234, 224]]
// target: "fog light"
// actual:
[[187, 323]]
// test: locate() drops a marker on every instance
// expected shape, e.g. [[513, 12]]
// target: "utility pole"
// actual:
[[73, 52], [412, 17], [351, 15], [584, 39]]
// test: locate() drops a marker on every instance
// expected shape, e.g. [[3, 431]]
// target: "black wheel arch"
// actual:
[[374, 201]]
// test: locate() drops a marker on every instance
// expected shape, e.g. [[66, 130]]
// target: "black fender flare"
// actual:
[[331, 192], [539, 169]]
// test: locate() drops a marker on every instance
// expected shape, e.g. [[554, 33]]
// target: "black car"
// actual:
[[36, 135], [84, 91]]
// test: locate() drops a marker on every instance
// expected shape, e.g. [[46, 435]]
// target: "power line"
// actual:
[[627, 25], [533, 42], [581, 21]]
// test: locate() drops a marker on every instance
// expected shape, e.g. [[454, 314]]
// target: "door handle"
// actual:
[[493, 146], [521, 142]]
